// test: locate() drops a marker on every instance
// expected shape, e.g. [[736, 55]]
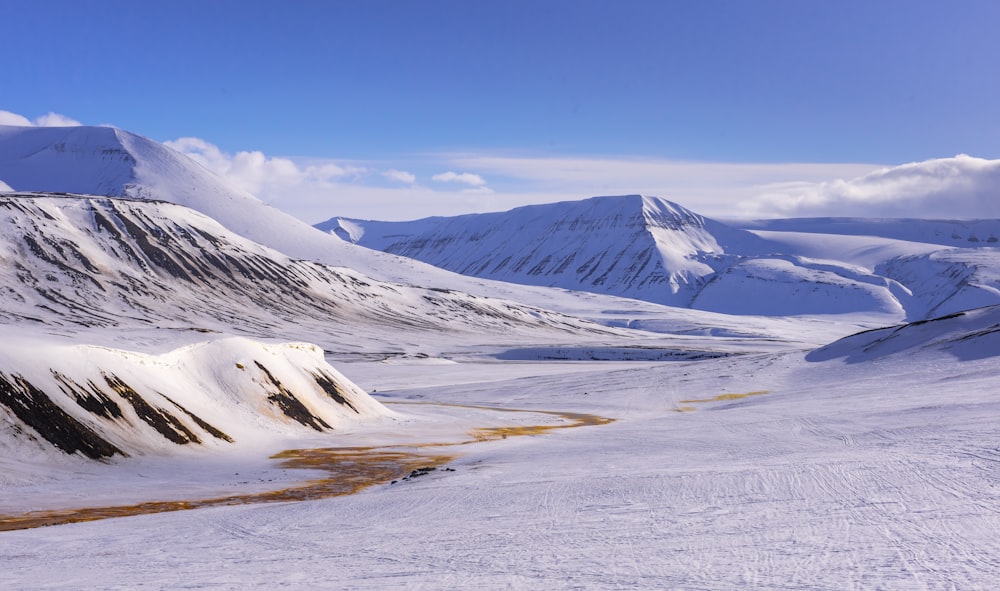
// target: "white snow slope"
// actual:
[[972, 334], [79, 262], [100, 403]]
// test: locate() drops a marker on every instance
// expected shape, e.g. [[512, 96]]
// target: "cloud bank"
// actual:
[[958, 187], [48, 120], [400, 176], [262, 175], [962, 187]]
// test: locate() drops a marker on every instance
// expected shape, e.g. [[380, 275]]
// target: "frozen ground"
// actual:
[[743, 452], [832, 475]]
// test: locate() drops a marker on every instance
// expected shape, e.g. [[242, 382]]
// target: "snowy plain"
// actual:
[[578, 440], [834, 476]]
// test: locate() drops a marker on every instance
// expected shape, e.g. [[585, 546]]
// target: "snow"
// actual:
[[776, 287], [972, 334], [829, 480], [212, 394], [957, 233], [578, 440]]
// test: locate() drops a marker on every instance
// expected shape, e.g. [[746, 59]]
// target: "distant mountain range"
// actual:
[[651, 249]]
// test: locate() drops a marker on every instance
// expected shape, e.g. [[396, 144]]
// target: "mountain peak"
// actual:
[[115, 163], [632, 245]]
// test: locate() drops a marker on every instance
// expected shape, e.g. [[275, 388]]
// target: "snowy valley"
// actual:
[[200, 391]]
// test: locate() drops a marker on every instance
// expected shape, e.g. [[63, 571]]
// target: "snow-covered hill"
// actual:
[[100, 402], [956, 233], [145, 277], [111, 162]]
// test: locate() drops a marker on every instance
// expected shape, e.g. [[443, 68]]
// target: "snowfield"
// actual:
[[199, 393], [872, 475]]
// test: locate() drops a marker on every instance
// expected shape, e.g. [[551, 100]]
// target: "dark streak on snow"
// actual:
[[91, 399], [165, 423], [329, 385], [55, 425], [290, 405], [201, 422]]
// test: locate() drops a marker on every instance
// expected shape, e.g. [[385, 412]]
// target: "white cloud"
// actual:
[[48, 120], [400, 176], [316, 190], [718, 189], [958, 187], [466, 178], [261, 175], [56, 120], [8, 118]]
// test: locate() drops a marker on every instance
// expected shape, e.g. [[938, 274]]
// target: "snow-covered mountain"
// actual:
[[633, 246], [149, 276], [77, 262], [169, 255], [651, 249], [112, 162]]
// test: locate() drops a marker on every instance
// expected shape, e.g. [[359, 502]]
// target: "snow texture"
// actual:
[[166, 320]]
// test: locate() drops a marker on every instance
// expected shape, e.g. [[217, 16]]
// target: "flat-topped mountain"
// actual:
[[633, 245]]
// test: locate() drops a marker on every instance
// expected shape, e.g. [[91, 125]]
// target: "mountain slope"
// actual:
[[955, 233], [80, 273], [112, 162], [650, 249], [633, 246], [79, 262], [972, 334]]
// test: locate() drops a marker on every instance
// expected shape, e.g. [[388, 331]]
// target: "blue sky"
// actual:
[[420, 88]]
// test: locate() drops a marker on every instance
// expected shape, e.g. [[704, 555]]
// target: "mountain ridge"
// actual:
[[642, 245]]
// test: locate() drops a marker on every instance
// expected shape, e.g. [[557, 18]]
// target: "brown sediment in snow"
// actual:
[[349, 470]]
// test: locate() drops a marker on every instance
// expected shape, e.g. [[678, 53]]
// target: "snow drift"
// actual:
[[972, 334]]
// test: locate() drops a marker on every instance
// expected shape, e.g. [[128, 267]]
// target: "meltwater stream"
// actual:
[[349, 470]]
